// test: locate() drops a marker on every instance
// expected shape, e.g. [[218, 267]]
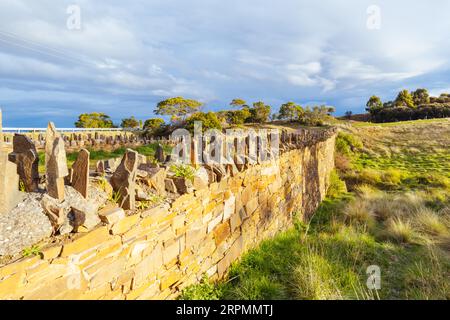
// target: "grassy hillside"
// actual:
[[396, 215]]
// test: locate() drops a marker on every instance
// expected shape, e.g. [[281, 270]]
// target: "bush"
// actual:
[[130, 123], [370, 176], [347, 143], [393, 176], [203, 291], [337, 186], [260, 113], [94, 120], [153, 126], [183, 171], [238, 117], [209, 121]]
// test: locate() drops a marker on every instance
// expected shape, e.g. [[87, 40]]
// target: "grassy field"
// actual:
[[396, 215]]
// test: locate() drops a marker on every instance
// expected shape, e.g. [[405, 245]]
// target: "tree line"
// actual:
[[408, 105], [185, 112]]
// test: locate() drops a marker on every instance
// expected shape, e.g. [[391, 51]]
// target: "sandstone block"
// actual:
[[111, 215]]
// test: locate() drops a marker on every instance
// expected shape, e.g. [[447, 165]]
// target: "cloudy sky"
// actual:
[[128, 55]]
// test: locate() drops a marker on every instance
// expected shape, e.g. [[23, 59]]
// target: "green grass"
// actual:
[[330, 262], [360, 124]]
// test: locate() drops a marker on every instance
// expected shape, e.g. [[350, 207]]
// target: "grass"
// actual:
[[396, 216], [32, 251], [183, 171]]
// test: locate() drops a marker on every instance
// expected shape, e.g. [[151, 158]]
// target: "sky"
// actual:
[[61, 58]]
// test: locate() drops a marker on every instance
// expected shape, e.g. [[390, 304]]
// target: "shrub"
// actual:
[[153, 126], [337, 186], [342, 162], [347, 144], [238, 117], [130, 123], [370, 176], [260, 113], [209, 121], [94, 120], [183, 171], [393, 176], [203, 291]]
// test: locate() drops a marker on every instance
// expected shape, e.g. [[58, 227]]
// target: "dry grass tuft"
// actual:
[[358, 211], [400, 230], [428, 222]]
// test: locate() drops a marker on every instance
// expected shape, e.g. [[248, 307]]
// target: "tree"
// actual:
[[238, 103], [260, 113], [317, 115], [130, 123], [374, 104], [152, 126], [209, 121], [94, 120], [348, 114], [291, 111], [177, 108], [238, 117], [404, 99], [421, 97]]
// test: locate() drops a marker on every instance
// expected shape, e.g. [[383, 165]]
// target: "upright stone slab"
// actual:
[[10, 195], [56, 163], [159, 154], [123, 180], [26, 158], [80, 173]]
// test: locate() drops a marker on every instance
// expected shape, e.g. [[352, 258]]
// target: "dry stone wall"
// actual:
[[157, 253], [91, 139]]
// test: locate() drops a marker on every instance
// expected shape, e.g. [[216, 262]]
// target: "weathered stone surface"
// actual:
[[229, 205], [100, 167], [160, 154], [80, 173], [56, 162], [141, 194], [124, 180], [73, 213], [111, 215], [26, 158], [155, 178], [183, 185], [170, 186], [24, 226], [9, 184], [201, 179]]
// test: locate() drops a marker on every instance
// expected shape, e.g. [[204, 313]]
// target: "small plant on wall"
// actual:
[[183, 171]]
